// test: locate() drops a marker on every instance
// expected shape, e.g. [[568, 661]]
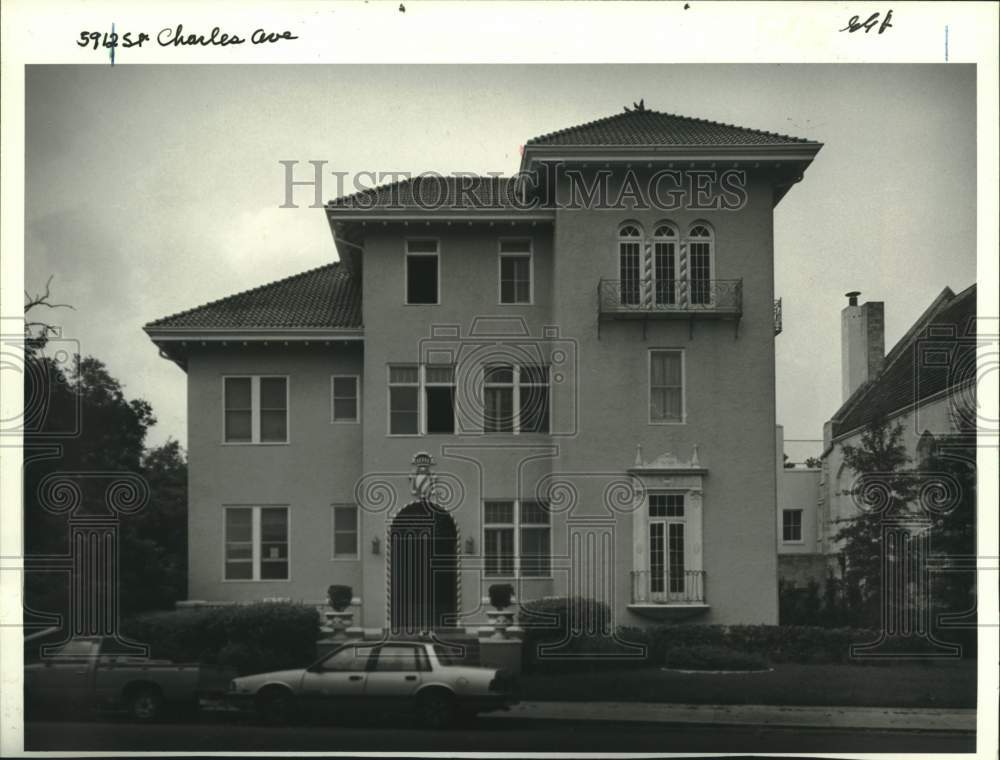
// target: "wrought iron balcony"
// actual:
[[663, 588], [645, 299]]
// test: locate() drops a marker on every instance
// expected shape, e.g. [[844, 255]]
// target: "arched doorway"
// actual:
[[423, 572]]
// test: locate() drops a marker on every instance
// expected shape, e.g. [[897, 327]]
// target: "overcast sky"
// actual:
[[152, 189]]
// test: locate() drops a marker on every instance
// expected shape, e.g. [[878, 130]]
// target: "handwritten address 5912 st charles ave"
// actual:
[[176, 37]]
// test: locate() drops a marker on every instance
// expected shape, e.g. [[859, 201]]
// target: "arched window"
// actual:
[[665, 264], [630, 262], [700, 241]]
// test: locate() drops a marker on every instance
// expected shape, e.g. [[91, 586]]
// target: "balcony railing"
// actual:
[[663, 588], [624, 299]]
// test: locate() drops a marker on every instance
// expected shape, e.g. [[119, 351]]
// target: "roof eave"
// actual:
[[338, 214], [801, 152], [225, 334]]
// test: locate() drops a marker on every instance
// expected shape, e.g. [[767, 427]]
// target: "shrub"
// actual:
[[501, 595], [250, 638], [713, 658], [571, 633], [340, 597]]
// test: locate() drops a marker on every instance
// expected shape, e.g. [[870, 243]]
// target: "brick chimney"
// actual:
[[862, 342]]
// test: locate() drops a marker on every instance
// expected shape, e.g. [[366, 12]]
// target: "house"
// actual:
[[561, 380], [798, 529], [926, 383]]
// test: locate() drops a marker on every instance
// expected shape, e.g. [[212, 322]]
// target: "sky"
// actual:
[[153, 189]]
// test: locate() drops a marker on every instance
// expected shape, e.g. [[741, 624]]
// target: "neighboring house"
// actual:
[[489, 387], [798, 527], [926, 383]]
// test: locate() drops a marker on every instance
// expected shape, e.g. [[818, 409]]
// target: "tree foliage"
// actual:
[[884, 489], [79, 424]]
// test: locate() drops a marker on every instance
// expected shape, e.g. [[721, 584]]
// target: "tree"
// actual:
[[814, 462], [884, 488], [78, 422]]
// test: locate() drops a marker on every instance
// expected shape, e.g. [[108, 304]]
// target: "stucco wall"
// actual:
[[600, 403], [799, 490], [316, 469]]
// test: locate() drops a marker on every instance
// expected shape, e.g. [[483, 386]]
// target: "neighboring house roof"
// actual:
[[325, 297], [653, 128], [937, 354], [434, 192]]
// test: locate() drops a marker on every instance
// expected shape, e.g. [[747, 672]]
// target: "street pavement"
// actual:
[[485, 734]]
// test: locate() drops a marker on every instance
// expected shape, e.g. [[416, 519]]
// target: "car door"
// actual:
[[65, 676], [338, 681], [395, 674]]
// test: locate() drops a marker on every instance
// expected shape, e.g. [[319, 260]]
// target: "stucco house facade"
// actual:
[[545, 380]]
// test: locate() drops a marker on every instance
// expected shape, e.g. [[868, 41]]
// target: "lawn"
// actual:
[[938, 684]]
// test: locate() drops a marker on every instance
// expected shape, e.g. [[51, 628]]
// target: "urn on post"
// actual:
[[340, 619], [501, 595]]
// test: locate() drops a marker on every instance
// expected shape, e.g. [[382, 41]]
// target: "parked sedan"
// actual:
[[393, 676]]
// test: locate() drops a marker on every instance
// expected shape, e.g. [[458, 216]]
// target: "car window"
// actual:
[[398, 657], [348, 658], [455, 654], [76, 648]]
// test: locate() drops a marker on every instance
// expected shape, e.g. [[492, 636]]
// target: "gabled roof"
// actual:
[[325, 297], [434, 192], [937, 354], [653, 128]]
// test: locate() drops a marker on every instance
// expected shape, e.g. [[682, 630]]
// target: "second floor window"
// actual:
[[515, 398], [344, 389], [255, 409], [515, 271], [700, 252], [421, 399], [791, 525], [666, 386], [422, 273]]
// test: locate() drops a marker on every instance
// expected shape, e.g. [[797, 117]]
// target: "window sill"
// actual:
[[256, 443]]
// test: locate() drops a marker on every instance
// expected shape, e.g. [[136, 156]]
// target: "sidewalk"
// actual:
[[894, 718]]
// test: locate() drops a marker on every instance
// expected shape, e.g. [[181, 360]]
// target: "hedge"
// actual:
[[571, 633], [249, 638], [713, 658]]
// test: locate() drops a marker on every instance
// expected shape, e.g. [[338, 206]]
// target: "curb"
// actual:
[[885, 718]]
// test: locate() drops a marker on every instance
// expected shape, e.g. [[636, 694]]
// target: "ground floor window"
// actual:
[[517, 539], [666, 543], [256, 543], [345, 531]]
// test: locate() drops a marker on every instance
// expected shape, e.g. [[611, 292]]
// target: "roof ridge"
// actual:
[[218, 301], [695, 119]]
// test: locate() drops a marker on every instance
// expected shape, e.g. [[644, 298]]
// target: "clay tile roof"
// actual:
[[325, 297], [434, 192], [646, 127], [937, 355]]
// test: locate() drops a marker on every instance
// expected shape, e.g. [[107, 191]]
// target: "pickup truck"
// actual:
[[93, 672]]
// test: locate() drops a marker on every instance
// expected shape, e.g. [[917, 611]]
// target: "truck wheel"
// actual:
[[276, 706], [145, 703], [436, 709]]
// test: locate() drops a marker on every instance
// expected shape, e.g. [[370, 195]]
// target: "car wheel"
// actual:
[[145, 703], [276, 707], [436, 709]]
